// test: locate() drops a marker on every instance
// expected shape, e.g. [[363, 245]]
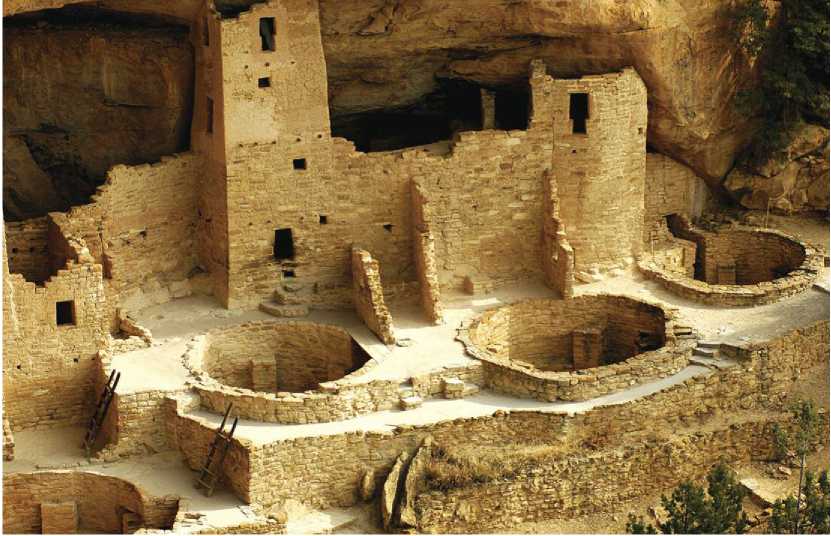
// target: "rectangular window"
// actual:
[[65, 313], [210, 116], [267, 32], [206, 32], [578, 112], [283, 244], [264, 82], [299, 163]]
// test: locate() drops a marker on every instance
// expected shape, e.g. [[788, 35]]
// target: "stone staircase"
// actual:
[[707, 353], [286, 303]]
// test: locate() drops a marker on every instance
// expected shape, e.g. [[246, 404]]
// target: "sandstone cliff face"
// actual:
[[384, 54], [796, 180], [82, 97]]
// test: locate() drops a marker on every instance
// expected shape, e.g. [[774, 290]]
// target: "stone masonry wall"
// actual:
[[600, 174], [424, 252], [141, 228], [368, 296], [486, 185], [671, 188], [101, 500], [305, 354], [750, 254], [588, 483], [757, 256], [49, 369], [150, 229], [537, 331], [27, 248], [339, 462], [343, 397]]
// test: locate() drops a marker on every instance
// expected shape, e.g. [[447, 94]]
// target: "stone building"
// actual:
[[479, 241]]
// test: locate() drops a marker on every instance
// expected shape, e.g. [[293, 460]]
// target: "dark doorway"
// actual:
[[578, 112], [512, 108], [283, 244], [267, 31]]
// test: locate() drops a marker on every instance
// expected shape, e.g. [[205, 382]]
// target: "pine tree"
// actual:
[[692, 510]]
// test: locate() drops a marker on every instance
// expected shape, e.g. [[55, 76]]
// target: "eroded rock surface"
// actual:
[[83, 95], [796, 180]]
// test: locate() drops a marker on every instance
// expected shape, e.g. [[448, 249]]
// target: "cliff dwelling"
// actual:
[[318, 266]]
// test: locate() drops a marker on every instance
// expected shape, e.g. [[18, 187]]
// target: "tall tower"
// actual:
[[599, 163]]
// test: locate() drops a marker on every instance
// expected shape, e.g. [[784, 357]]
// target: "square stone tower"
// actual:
[[599, 165]]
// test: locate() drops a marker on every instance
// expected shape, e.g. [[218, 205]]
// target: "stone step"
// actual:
[[288, 298], [712, 362], [284, 311], [456, 388], [470, 390], [706, 352], [709, 344], [411, 402]]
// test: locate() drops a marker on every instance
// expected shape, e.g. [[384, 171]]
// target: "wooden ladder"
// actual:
[[101, 410], [208, 478]]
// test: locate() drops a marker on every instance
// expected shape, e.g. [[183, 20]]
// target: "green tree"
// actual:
[[693, 510], [803, 436], [790, 48], [814, 517], [636, 525]]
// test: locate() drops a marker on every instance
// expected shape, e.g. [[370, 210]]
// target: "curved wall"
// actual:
[[101, 502], [574, 349]]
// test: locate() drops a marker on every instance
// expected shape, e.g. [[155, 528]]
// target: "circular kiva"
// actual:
[[285, 372], [733, 267], [573, 349]]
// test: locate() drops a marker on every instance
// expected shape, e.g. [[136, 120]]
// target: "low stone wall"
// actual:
[[582, 484], [755, 255], [335, 473], [230, 351], [368, 296], [514, 340], [100, 501]]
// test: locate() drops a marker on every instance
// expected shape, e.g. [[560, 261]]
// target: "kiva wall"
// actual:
[[101, 501], [340, 461]]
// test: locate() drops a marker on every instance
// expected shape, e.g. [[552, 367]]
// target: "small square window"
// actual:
[[65, 313], [299, 163], [264, 82], [288, 274], [388, 227], [324, 219]]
